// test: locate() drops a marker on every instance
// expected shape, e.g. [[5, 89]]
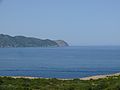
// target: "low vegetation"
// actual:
[[110, 83]]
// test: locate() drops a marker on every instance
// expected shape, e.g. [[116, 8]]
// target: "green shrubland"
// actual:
[[9, 83]]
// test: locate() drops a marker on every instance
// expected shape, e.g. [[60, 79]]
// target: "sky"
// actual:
[[79, 22]]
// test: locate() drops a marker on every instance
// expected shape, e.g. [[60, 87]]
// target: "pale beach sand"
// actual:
[[99, 76], [84, 78]]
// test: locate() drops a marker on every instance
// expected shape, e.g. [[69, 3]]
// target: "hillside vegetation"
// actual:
[[21, 41], [110, 83]]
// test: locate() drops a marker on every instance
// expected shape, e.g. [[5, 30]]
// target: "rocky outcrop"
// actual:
[[61, 43]]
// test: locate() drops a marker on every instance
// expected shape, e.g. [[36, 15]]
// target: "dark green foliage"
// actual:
[[110, 83], [21, 41]]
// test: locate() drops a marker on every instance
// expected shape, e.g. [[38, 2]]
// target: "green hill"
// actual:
[[21, 41]]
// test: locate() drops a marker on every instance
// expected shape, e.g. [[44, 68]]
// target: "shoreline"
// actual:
[[84, 78], [99, 76]]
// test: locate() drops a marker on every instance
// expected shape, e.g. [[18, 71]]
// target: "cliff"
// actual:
[[61, 43]]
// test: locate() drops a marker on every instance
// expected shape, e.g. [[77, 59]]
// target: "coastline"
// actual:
[[84, 78], [99, 76]]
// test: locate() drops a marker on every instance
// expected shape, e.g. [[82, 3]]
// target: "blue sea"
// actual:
[[60, 62]]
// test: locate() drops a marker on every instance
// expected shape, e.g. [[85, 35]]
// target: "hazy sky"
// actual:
[[79, 22]]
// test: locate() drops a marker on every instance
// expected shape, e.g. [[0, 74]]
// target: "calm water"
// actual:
[[66, 62]]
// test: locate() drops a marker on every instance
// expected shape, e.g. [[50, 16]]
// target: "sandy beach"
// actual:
[[99, 76], [84, 78]]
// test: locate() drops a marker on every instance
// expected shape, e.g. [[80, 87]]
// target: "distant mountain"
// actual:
[[21, 41]]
